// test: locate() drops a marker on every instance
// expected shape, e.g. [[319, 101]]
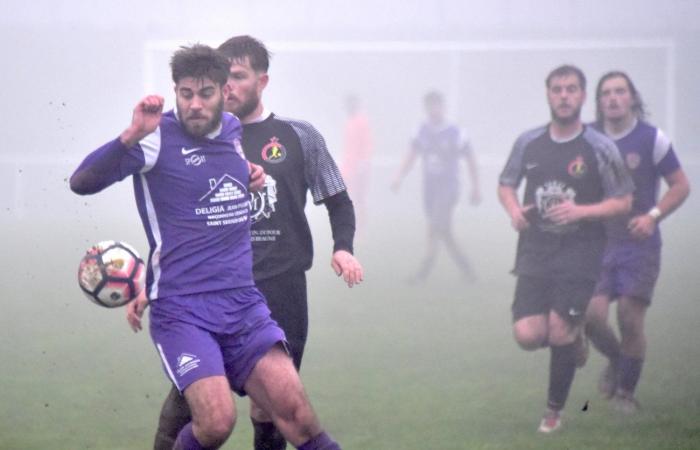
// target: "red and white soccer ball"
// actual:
[[111, 274]]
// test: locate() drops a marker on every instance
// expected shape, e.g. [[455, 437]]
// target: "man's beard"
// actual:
[[574, 117], [208, 127], [243, 110]]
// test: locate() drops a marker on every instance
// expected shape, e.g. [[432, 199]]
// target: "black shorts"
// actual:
[[539, 295], [286, 298]]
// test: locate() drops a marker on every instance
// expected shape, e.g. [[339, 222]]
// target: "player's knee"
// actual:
[[529, 339], [216, 428]]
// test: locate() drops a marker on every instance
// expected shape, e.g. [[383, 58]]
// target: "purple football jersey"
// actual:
[[192, 196], [648, 155]]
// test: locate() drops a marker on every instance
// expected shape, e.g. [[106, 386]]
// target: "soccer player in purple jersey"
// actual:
[[209, 323], [575, 178], [296, 162], [632, 257], [440, 145]]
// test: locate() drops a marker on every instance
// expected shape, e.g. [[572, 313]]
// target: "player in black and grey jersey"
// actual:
[[296, 161], [575, 178]]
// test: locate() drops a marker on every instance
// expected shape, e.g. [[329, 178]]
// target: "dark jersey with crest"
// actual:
[[296, 161], [586, 169]]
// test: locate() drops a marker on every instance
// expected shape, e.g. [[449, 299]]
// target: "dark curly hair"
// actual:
[[199, 61]]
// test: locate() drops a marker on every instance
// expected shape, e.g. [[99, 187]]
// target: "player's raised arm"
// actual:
[[103, 167], [144, 121]]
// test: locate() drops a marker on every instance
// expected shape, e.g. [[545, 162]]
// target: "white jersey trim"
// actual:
[[662, 146], [150, 145], [155, 230], [171, 375]]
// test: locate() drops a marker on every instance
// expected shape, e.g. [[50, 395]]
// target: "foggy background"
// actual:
[[74, 70]]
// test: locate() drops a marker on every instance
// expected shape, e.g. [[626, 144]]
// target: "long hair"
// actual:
[[637, 104]]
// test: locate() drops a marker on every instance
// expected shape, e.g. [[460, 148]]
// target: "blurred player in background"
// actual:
[[441, 145], [210, 325], [357, 157], [575, 178], [633, 254], [296, 161]]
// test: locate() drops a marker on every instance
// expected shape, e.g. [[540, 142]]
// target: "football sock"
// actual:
[[186, 440], [321, 442], [174, 415], [629, 371], [267, 436], [605, 341], [562, 367]]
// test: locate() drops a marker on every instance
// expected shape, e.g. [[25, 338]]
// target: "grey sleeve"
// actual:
[[513, 172], [321, 172], [617, 181]]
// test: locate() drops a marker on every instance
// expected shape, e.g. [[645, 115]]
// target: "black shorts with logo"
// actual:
[[286, 298], [569, 297]]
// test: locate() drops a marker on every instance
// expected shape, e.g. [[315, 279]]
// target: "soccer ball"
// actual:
[[111, 274]]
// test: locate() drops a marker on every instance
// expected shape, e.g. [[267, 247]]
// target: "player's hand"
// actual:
[[134, 311], [257, 177], [518, 219], [564, 213], [642, 226], [346, 265], [145, 119]]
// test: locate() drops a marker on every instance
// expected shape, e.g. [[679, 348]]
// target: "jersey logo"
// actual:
[[274, 152], [633, 159], [549, 195], [262, 204], [578, 168], [187, 151]]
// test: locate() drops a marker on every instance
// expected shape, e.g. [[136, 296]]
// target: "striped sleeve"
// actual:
[[320, 170], [513, 171], [617, 181]]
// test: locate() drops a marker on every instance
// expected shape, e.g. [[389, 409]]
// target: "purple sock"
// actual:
[[629, 371], [186, 440], [320, 442]]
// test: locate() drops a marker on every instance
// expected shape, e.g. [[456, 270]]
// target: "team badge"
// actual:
[[549, 195], [274, 152], [578, 168], [633, 160]]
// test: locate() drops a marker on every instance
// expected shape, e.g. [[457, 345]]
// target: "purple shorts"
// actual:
[[213, 333], [629, 271]]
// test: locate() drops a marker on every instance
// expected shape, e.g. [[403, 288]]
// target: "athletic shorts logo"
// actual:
[[274, 152], [186, 362], [633, 159], [577, 167]]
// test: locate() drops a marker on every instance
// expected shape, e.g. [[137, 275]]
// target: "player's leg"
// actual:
[[565, 323], [453, 248], [286, 298], [192, 359], [213, 414], [174, 415], [631, 313], [275, 386], [639, 274], [530, 309], [604, 340]]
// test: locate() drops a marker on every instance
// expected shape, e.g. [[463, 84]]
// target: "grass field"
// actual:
[[388, 366]]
